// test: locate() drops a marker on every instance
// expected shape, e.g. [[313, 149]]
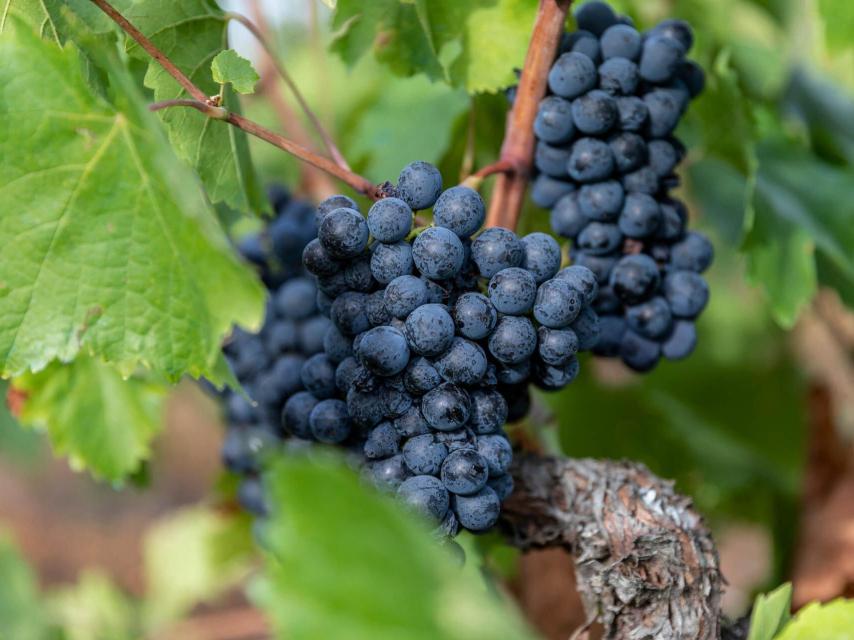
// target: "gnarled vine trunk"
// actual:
[[645, 563]]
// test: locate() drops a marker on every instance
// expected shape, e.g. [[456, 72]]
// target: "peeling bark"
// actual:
[[645, 563]]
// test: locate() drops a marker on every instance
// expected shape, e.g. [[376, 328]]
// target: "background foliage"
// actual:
[[122, 280]]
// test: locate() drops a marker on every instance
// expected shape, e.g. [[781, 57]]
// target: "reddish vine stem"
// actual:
[[153, 51], [518, 147], [259, 35], [501, 166], [357, 182]]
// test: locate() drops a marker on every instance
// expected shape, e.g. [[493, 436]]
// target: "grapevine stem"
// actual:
[[518, 147], [257, 32], [153, 51], [357, 182]]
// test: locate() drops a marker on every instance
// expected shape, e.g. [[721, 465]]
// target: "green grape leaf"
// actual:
[[116, 252], [831, 621], [184, 564], [802, 207], [94, 607], [100, 421], [34, 14], [385, 579], [22, 614], [229, 67], [191, 33], [770, 613], [475, 45], [838, 18]]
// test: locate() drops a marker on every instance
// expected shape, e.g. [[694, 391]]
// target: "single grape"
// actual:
[[595, 17], [474, 315], [554, 120], [512, 291], [557, 304], [595, 112], [599, 238], [566, 217], [611, 332], [250, 495], [419, 184], [496, 451], [639, 353], [348, 313], [421, 376], [364, 408], [488, 411], [438, 253], [630, 151], [515, 374], [541, 256], [464, 363], [383, 441], [282, 336], [343, 233], [551, 159], [582, 280], [502, 485], [651, 319], [618, 77], [621, 41], [693, 253], [640, 217], [692, 76], [390, 261], [318, 261], [332, 203], [429, 329], [572, 75], [345, 374], [665, 109], [681, 341], [383, 350], [330, 421], [477, 512], [601, 201], [590, 160], [586, 327], [550, 378], [425, 495], [660, 58], [632, 113], [496, 249], [546, 190], [678, 30], [513, 341], [389, 220], [674, 218], [318, 376], [582, 42], [295, 414], [461, 210], [403, 295], [447, 407], [556, 346], [642, 180], [634, 278], [663, 157], [424, 455], [687, 293], [389, 473], [464, 472]]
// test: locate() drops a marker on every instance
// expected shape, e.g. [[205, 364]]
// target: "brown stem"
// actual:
[[356, 181], [518, 148], [500, 166], [286, 77], [645, 563], [211, 111], [153, 51], [313, 181]]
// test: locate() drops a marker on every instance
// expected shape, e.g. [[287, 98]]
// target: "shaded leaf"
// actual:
[[830, 621], [22, 614], [101, 422], [383, 579], [94, 609], [771, 612], [475, 44], [116, 250], [191, 33]]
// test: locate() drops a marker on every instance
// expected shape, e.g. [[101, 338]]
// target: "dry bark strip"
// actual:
[[645, 563]]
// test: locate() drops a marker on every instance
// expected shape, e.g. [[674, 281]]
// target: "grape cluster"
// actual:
[[268, 364], [606, 157], [436, 333]]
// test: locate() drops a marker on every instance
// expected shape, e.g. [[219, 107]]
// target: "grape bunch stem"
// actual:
[[518, 147]]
